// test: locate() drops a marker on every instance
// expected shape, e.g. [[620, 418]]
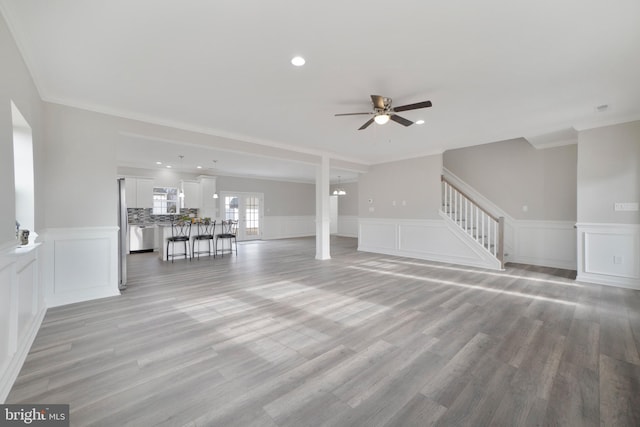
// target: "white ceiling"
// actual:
[[494, 70]]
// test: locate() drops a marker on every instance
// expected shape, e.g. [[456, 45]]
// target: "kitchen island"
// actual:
[[178, 247]]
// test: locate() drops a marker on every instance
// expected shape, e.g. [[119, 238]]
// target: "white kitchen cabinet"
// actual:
[[192, 195], [139, 192], [144, 194], [131, 192]]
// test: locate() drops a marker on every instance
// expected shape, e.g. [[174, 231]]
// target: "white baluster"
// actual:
[[495, 238], [482, 221]]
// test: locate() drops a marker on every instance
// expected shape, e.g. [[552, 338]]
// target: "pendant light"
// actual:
[[339, 191], [215, 193], [181, 183]]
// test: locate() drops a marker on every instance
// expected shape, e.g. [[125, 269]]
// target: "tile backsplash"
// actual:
[[144, 216]]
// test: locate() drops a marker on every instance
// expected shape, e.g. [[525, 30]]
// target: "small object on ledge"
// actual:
[[24, 237]]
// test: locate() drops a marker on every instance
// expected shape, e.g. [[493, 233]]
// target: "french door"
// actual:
[[247, 209]]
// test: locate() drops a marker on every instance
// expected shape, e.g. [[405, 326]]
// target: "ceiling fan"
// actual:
[[383, 111]]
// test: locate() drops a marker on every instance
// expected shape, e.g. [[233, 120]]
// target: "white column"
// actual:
[[323, 213]]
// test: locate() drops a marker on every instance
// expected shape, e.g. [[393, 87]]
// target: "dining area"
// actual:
[[189, 239]]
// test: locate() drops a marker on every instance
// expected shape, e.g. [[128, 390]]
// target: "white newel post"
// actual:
[[323, 213]]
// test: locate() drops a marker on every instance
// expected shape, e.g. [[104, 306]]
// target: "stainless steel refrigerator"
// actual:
[[123, 223]]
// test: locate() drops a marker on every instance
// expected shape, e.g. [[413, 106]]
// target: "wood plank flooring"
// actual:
[[272, 337]]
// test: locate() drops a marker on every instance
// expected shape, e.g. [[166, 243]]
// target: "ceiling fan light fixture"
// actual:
[[298, 61], [381, 119]]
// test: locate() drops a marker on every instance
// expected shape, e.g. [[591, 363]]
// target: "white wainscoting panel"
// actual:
[[348, 225], [546, 243], [81, 264], [21, 309], [423, 239], [7, 329], [379, 236], [609, 254], [26, 296], [284, 227]]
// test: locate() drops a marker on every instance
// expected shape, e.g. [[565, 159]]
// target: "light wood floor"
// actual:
[[273, 337]]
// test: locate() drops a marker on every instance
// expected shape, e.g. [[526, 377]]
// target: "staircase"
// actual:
[[481, 226]]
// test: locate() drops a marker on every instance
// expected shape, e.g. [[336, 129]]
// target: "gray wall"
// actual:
[[513, 174], [281, 198], [16, 85], [347, 204], [81, 186], [414, 181], [608, 172]]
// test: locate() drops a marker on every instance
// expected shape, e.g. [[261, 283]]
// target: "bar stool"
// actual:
[[205, 231], [229, 231], [180, 232]]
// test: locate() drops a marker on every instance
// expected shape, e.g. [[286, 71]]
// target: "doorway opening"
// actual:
[[247, 209]]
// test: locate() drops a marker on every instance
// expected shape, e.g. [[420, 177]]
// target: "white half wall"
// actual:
[[284, 227], [427, 239], [609, 254], [80, 264], [22, 309], [545, 243]]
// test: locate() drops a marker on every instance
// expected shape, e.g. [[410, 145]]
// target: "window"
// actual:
[[231, 207], [165, 201], [23, 172]]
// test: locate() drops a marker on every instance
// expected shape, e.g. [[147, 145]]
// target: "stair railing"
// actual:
[[481, 225]]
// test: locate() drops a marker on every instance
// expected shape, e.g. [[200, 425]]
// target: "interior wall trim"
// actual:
[[80, 264], [285, 227], [22, 309], [609, 254], [428, 239]]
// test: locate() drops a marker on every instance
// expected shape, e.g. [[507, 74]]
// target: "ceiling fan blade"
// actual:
[[366, 125], [351, 114], [401, 120], [378, 101], [415, 106]]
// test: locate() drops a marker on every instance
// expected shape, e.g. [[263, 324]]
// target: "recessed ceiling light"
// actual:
[[420, 122], [158, 163], [198, 167], [168, 166], [298, 61]]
